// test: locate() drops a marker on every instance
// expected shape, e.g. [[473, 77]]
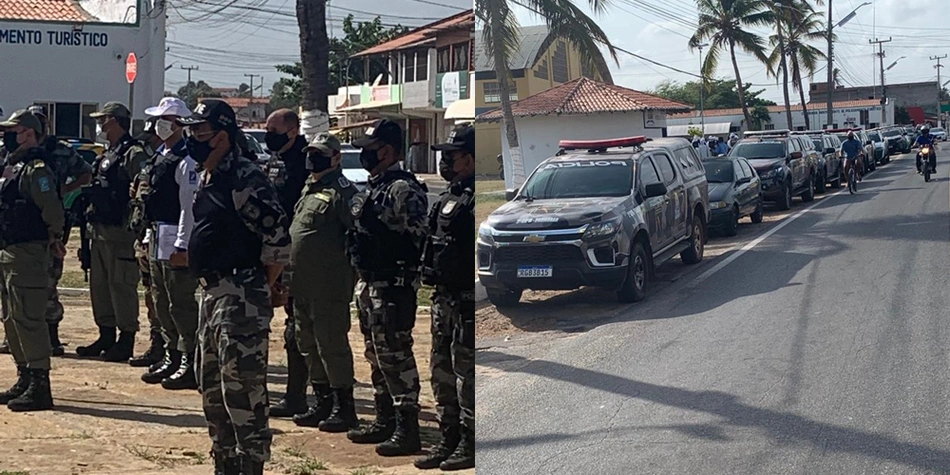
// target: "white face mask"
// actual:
[[164, 129], [101, 134]]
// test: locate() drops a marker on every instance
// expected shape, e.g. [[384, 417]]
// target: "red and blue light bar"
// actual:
[[602, 144]]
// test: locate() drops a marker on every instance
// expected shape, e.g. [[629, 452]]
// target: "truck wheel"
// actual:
[[637, 282], [694, 254], [820, 184], [785, 201], [504, 297], [809, 194]]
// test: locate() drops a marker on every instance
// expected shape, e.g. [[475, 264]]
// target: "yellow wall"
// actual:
[[487, 135]]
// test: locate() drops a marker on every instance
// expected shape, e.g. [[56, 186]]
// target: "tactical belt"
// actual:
[[388, 279], [209, 279]]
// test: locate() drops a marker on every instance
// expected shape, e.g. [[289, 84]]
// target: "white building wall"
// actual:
[[46, 68], [817, 115], [539, 136]]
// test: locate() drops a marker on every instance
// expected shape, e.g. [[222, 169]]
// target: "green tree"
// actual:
[[719, 94], [500, 38], [191, 92], [726, 24], [901, 116], [800, 26], [244, 90], [760, 116]]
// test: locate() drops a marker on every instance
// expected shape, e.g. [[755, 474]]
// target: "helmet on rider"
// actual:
[[925, 130]]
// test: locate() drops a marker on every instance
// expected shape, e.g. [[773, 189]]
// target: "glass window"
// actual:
[[754, 150], [648, 174], [580, 179], [665, 166], [560, 70], [460, 57], [542, 71], [422, 65], [746, 168], [686, 161], [444, 61], [719, 171], [491, 92], [408, 67]]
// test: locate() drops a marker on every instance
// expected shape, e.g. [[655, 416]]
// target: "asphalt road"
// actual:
[[820, 349]]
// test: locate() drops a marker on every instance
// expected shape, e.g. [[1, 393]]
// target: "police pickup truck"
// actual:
[[600, 213]]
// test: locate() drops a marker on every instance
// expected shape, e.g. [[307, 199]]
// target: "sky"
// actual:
[[252, 40], [659, 30]]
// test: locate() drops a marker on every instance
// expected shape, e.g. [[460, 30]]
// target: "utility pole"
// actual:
[[190, 69], [252, 76], [939, 87], [880, 54], [831, 78], [702, 90]]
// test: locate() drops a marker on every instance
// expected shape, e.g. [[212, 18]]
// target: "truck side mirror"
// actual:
[[655, 189], [510, 194]]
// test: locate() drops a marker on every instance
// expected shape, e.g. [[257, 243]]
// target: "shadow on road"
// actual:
[[780, 426]]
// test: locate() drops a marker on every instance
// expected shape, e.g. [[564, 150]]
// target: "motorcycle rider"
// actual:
[[853, 152], [925, 140]]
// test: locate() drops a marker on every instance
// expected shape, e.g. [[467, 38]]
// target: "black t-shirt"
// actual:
[[295, 179]]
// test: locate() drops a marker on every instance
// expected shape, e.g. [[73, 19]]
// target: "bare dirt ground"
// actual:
[[107, 421]]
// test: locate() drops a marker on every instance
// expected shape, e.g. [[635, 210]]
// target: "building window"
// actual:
[[460, 57], [444, 63], [422, 65], [542, 71], [492, 93], [559, 68], [408, 67]]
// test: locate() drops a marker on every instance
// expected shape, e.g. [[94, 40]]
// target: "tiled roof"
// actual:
[[778, 108], [44, 10], [423, 33], [585, 96], [239, 102]]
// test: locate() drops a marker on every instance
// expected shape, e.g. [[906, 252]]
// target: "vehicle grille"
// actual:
[[538, 254], [548, 238]]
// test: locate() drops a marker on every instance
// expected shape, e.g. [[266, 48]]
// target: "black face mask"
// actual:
[[199, 151], [446, 168], [9, 141], [275, 141], [369, 159], [317, 162]]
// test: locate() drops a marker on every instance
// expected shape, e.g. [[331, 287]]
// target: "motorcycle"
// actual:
[[926, 161]]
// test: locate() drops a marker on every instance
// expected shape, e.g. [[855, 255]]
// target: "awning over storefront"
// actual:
[[717, 128], [461, 110]]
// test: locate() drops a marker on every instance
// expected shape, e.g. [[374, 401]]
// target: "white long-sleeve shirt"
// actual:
[[186, 176]]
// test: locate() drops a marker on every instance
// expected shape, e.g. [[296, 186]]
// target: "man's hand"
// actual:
[[57, 248], [178, 259]]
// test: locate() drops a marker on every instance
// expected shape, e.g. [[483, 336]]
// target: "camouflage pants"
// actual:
[[233, 328], [453, 357], [23, 278], [145, 272], [387, 317], [54, 308]]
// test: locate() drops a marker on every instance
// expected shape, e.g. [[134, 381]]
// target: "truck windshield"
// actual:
[[719, 171], [580, 179], [874, 137], [755, 150], [890, 133]]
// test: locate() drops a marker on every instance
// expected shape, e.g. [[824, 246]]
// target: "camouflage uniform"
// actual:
[[235, 311]]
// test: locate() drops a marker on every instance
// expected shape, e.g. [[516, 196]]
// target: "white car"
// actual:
[[258, 135], [352, 169], [939, 133], [257, 148]]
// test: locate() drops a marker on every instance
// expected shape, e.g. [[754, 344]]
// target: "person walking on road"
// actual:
[[322, 287], [238, 248], [172, 182], [385, 247], [446, 261], [32, 222], [114, 274]]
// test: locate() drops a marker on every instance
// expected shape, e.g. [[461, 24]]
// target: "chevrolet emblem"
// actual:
[[534, 238]]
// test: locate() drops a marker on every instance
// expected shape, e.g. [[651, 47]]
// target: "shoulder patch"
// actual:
[[45, 184], [39, 164], [344, 182], [449, 207], [322, 197], [192, 177]]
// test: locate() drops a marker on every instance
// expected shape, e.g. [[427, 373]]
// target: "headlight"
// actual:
[[485, 234], [718, 205], [607, 228], [774, 172]]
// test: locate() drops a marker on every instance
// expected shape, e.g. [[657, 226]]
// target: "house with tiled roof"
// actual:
[[582, 109], [851, 113], [70, 58], [249, 110]]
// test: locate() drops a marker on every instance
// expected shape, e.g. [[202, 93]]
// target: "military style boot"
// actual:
[[122, 350], [382, 428], [5, 347], [105, 342], [184, 377], [320, 411], [224, 465], [450, 440], [464, 455], [405, 440], [343, 417], [37, 396], [251, 467], [19, 387], [295, 400], [168, 367], [56, 346], [154, 354]]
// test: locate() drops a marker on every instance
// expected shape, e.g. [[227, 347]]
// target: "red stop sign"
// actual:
[[131, 68]]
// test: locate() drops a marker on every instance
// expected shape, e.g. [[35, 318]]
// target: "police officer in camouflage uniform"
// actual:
[[322, 287], [238, 248], [448, 256], [114, 274], [31, 228], [287, 170], [72, 172], [385, 247]]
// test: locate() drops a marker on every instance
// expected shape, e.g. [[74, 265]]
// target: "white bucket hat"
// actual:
[[169, 106]]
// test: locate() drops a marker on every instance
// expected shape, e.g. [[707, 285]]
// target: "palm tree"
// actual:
[[500, 39], [796, 24], [314, 55], [725, 24]]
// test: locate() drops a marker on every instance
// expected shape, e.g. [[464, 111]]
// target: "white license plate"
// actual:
[[534, 271]]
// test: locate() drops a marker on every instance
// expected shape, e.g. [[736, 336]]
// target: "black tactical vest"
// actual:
[[110, 195], [378, 253], [448, 253], [220, 242], [162, 204], [22, 220]]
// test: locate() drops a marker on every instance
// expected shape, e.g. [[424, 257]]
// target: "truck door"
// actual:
[[654, 209], [678, 214]]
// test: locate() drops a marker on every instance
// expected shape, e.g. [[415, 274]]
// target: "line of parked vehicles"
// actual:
[[607, 213]]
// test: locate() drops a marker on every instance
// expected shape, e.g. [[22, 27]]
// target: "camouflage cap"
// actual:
[[114, 109], [325, 143], [24, 118]]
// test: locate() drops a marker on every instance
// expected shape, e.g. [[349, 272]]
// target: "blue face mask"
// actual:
[[199, 151]]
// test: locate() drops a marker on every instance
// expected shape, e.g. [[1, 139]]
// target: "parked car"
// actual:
[[939, 133], [735, 191], [352, 169], [786, 163], [896, 142], [600, 213], [881, 153], [829, 162], [257, 149], [258, 135]]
